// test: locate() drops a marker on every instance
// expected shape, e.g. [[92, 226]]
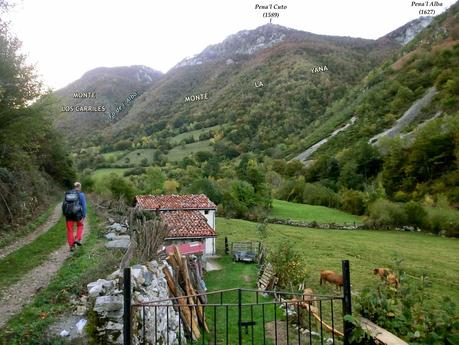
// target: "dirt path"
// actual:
[[13, 298], [211, 265], [48, 224]]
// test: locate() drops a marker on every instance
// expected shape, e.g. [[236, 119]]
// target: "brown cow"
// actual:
[[382, 272], [388, 275], [332, 278], [392, 280]]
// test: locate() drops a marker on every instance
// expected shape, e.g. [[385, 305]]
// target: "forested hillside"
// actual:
[[33, 161], [291, 98], [108, 93], [422, 159], [229, 122]]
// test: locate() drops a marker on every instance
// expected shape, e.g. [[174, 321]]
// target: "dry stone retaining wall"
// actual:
[[149, 285]]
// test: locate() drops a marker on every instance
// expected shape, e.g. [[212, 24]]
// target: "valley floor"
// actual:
[[436, 256], [46, 257]]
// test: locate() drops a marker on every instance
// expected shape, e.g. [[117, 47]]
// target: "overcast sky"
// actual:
[[67, 38]]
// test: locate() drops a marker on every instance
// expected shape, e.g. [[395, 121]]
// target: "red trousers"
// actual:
[[70, 225]]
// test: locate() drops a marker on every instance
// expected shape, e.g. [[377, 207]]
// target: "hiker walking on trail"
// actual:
[[74, 209]]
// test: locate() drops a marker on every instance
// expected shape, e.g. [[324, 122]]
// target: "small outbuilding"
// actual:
[[189, 217]]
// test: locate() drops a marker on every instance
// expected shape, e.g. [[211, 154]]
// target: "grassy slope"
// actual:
[[195, 134], [136, 156], [178, 153], [321, 214], [90, 262], [115, 154], [100, 174], [324, 249]]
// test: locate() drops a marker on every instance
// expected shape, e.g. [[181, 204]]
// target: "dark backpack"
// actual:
[[71, 206]]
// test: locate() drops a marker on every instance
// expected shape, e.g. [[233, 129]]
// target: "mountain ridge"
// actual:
[[107, 92], [257, 40], [223, 66]]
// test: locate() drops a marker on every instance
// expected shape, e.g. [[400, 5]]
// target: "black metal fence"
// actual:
[[240, 316]]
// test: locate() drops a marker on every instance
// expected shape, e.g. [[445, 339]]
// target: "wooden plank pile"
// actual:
[[267, 278], [185, 286]]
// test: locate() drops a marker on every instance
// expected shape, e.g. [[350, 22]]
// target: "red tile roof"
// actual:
[[190, 224], [175, 202]]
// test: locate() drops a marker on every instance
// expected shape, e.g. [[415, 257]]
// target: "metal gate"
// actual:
[[240, 316]]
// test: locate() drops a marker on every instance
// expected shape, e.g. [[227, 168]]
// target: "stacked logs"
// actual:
[[184, 288]]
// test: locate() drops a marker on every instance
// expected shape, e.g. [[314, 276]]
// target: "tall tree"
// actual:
[[33, 159]]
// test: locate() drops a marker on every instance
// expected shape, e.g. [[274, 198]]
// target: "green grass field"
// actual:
[[100, 177], [237, 275], [308, 213], [324, 249], [100, 174], [178, 153], [136, 156], [116, 155], [195, 134]]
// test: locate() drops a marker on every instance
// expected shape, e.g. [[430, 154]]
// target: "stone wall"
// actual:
[[148, 285], [316, 225]]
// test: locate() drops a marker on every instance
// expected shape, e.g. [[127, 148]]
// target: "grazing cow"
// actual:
[[382, 272], [387, 275], [332, 278], [392, 280]]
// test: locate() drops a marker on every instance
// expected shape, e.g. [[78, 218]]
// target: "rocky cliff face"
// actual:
[[245, 42], [407, 32]]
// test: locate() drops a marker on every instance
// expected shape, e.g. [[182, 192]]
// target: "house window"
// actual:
[[206, 211]]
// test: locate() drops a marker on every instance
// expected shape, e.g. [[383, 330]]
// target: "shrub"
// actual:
[[207, 187], [87, 183], [134, 171], [242, 201], [401, 196], [262, 229], [294, 168], [409, 312], [443, 221], [415, 214], [122, 145], [121, 188], [170, 186], [352, 201], [385, 213], [289, 266], [316, 194], [291, 190]]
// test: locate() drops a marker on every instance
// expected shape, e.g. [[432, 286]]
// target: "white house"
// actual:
[[190, 217]]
